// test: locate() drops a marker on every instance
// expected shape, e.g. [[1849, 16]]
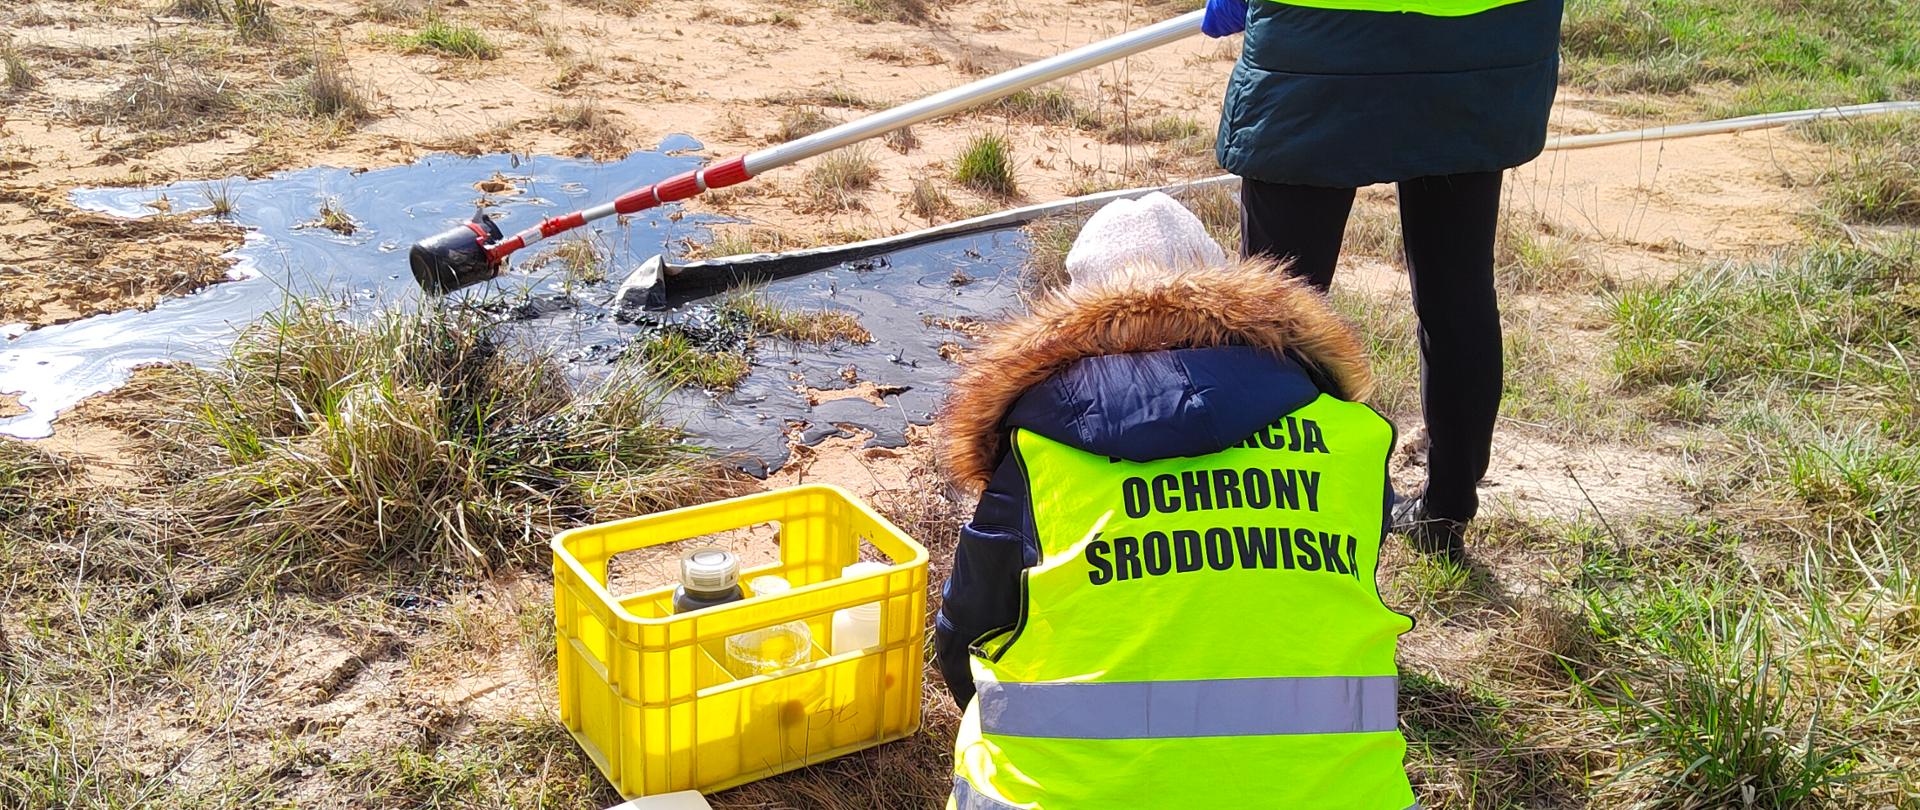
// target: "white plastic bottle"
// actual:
[[857, 627]]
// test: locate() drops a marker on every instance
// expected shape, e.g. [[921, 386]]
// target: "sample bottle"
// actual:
[[857, 627], [708, 577], [769, 649]]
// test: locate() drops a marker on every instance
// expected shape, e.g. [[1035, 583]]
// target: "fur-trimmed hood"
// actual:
[[1246, 304]]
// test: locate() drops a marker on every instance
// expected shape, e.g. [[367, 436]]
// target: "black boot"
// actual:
[[1436, 536]]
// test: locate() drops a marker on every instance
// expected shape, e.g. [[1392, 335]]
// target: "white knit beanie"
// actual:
[[1151, 234]]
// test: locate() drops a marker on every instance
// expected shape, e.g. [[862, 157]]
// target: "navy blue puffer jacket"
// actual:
[[1134, 368]]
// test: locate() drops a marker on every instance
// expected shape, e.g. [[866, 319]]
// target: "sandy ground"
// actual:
[[681, 67], [725, 75], [728, 79]]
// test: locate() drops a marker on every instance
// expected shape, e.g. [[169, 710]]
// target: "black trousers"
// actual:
[[1449, 225]]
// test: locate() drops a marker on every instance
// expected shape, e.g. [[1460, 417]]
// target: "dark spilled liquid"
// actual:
[[907, 299]]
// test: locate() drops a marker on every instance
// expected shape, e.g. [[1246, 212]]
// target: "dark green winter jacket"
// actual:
[[1339, 98]]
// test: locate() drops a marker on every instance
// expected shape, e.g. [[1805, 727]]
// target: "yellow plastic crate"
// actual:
[[642, 691]]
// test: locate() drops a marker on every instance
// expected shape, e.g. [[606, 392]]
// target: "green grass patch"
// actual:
[[1777, 55], [1709, 692], [24, 471], [1806, 361], [1876, 176], [1821, 319], [450, 38], [1386, 326], [819, 326], [986, 165], [675, 357]]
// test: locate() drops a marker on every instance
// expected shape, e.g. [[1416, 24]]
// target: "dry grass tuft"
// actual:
[[830, 96], [333, 218], [1530, 257], [330, 91], [1160, 130], [27, 476], [801, 122], [901, 140], [1875, 178], [902, 11], [198, 9], [173, 91], [581, 257], [596, 131], [928, 202], [252, 20], [19, 77], [917, 56], [219, 198], [395, 11], [836, 180], [627, 7], [1373, 229], [325, 450], [738, 241], [1218, 208], [1047, 105], [1048, 242]]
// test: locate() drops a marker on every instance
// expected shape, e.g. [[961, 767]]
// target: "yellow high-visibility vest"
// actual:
[[1199, 632], [1435, 8]]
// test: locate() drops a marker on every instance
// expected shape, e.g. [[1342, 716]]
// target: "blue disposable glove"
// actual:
[[1224, 18]]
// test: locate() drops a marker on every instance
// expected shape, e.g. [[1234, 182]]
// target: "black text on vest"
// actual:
[[1184, 551], [1203, 490]]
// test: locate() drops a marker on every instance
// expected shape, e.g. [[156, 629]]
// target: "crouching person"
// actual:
[[1166, 598]]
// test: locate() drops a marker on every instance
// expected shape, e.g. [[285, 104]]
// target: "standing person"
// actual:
[[1439, 96], [1166, 597]]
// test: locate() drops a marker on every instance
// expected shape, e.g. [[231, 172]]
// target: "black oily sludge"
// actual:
[[904, 298], [908, 302]]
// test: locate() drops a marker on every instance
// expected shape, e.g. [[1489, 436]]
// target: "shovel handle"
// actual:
[[946, 102]]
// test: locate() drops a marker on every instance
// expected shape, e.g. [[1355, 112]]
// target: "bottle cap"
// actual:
[[769, 584], [709, 570], [869, 612]]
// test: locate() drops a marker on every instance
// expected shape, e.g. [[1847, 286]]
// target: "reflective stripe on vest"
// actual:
[[965, 797], [1431, 8], [1223, 708]]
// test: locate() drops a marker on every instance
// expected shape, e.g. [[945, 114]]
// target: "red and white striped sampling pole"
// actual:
[[475, 252]]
